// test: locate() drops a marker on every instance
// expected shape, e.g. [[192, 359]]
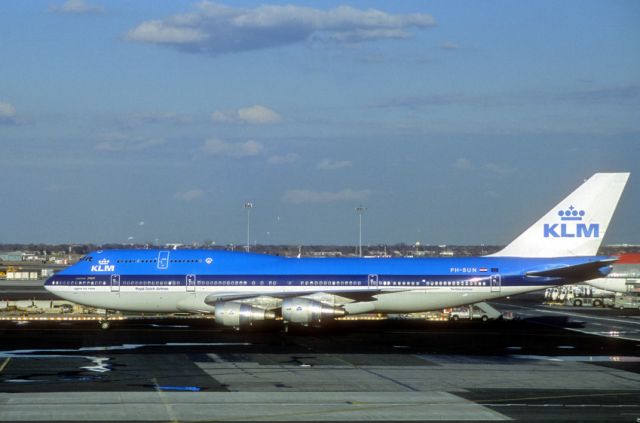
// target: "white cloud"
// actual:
[[214, 28], [157, 32], [299, 196], [139, 119], [224, 117], [328, 164], [218, 147], [7, 114], [463, 163], [369, 34], [258, 115], [283, 159], [254, 115], [498, 169], [450, 46], [190, 195], [119, 142], [77, 6]]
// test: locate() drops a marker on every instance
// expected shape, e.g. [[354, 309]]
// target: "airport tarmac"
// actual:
[[527, 370], [554, 364]]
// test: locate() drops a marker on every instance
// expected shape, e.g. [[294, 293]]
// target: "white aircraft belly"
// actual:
[[177, 299], [125, 299]]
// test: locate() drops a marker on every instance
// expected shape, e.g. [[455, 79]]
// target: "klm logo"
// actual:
[[103, 266], [571, 226]]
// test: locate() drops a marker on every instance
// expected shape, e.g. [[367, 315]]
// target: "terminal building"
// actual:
[[12, 256]]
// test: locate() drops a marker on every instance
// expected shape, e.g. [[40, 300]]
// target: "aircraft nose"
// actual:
[[49, 283]]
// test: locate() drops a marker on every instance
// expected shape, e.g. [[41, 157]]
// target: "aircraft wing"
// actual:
[[582, 271], [356, 295], [211, 299]]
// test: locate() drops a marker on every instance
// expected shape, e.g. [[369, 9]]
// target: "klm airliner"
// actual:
[[242, 288]]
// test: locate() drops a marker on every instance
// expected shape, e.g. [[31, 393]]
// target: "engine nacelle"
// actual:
[[307, 311], [238, 314]]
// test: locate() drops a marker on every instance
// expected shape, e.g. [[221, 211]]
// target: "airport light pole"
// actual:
[[248, 206], [360, 209]]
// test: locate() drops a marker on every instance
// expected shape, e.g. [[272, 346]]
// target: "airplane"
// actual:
[[624, 277], [241, 288]]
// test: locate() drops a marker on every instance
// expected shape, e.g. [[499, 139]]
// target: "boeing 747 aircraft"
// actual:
[[242, 288]]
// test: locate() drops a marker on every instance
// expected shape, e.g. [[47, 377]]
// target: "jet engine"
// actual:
[[307, 311], [238, 314]]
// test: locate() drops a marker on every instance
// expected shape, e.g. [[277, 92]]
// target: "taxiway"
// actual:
[[534, 369]]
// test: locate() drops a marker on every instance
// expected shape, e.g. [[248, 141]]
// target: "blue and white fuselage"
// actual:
[[181, 280], [241, 288]]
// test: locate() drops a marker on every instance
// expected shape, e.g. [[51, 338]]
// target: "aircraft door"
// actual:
[[163, 260], [191, 283], [373, 281], [115, 283], [496, 282]]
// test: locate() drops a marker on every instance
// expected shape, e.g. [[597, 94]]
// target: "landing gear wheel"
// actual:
[[105, 324]]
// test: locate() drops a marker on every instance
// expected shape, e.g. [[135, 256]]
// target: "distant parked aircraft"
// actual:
[[624, 277]]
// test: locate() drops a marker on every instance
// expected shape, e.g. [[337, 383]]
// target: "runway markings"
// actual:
[[167, 405], [564, 405], [573, 314], [627, 331], [248, 406], [390, 379], [120, 347], [496, 402], [4, 364], [582, 358]]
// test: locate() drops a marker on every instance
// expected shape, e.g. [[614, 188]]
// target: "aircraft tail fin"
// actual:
[[576, 225]]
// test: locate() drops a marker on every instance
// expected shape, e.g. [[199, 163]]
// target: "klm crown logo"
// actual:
[[103, 262], [571, 226]]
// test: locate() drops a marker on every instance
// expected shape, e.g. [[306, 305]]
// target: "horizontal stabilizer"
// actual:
[[583, 271]]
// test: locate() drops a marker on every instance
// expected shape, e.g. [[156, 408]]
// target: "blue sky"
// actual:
[[452, 122]]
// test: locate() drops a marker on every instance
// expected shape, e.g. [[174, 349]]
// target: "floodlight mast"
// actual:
[[360, 210], [248, 206]]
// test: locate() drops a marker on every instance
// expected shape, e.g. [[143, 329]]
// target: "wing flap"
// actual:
[[211, 299]]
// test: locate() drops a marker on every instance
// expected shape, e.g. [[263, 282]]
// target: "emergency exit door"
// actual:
[[115, 283], [191, 283], [496, 282]]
